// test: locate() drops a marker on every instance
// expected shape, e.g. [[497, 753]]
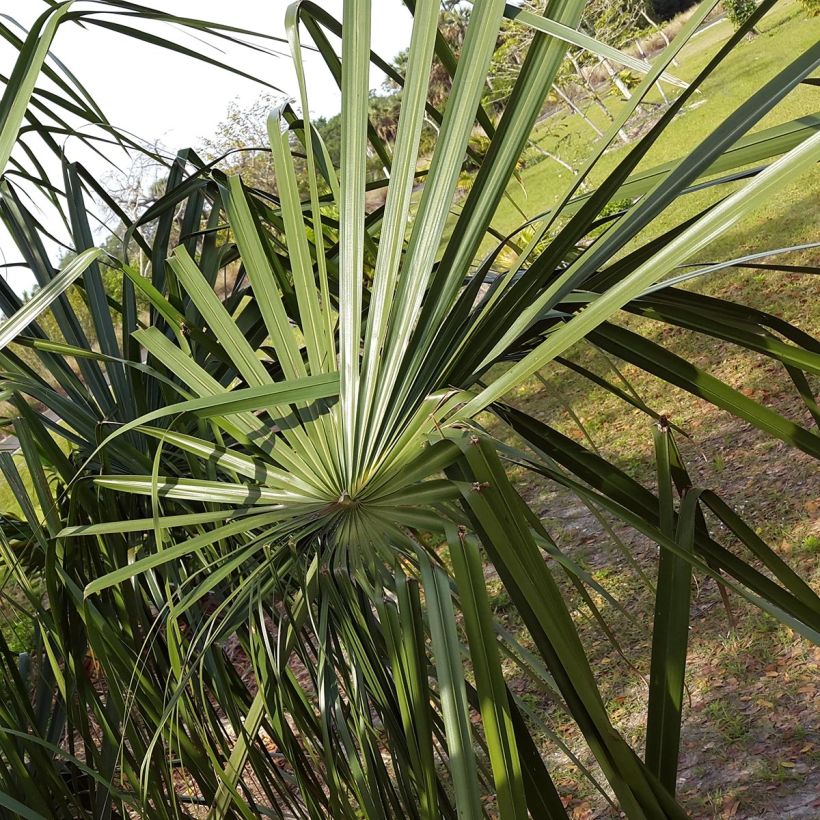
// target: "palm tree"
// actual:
[[253, 550]]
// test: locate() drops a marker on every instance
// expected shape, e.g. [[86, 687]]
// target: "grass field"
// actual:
[[789, 220], [784, 33], [751, 747]]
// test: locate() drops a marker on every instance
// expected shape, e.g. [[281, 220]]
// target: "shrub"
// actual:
[[739, 11], [262, 557]]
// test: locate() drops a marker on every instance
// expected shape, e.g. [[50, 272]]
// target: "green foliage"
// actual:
[[256, 580], [811, 544], [739, 11], [240, 142], [614, 24]]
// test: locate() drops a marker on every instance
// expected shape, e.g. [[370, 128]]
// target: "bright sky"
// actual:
[[160, 95]]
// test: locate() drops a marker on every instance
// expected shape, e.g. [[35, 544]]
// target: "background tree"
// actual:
[[739, 11], [241, 138]]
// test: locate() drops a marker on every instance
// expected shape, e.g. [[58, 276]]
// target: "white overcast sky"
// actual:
[[160, 95]]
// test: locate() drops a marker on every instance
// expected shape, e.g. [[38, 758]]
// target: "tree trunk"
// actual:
[[660, 31], [657, 84], [596, 98], [553, 157], [616, 80], [590, 86], [578, 111]]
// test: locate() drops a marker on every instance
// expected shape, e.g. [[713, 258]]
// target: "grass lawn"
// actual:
[[789, 220], [784, 33], [751, 747]]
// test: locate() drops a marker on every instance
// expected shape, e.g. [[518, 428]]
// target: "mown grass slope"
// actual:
[[750, 744]]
